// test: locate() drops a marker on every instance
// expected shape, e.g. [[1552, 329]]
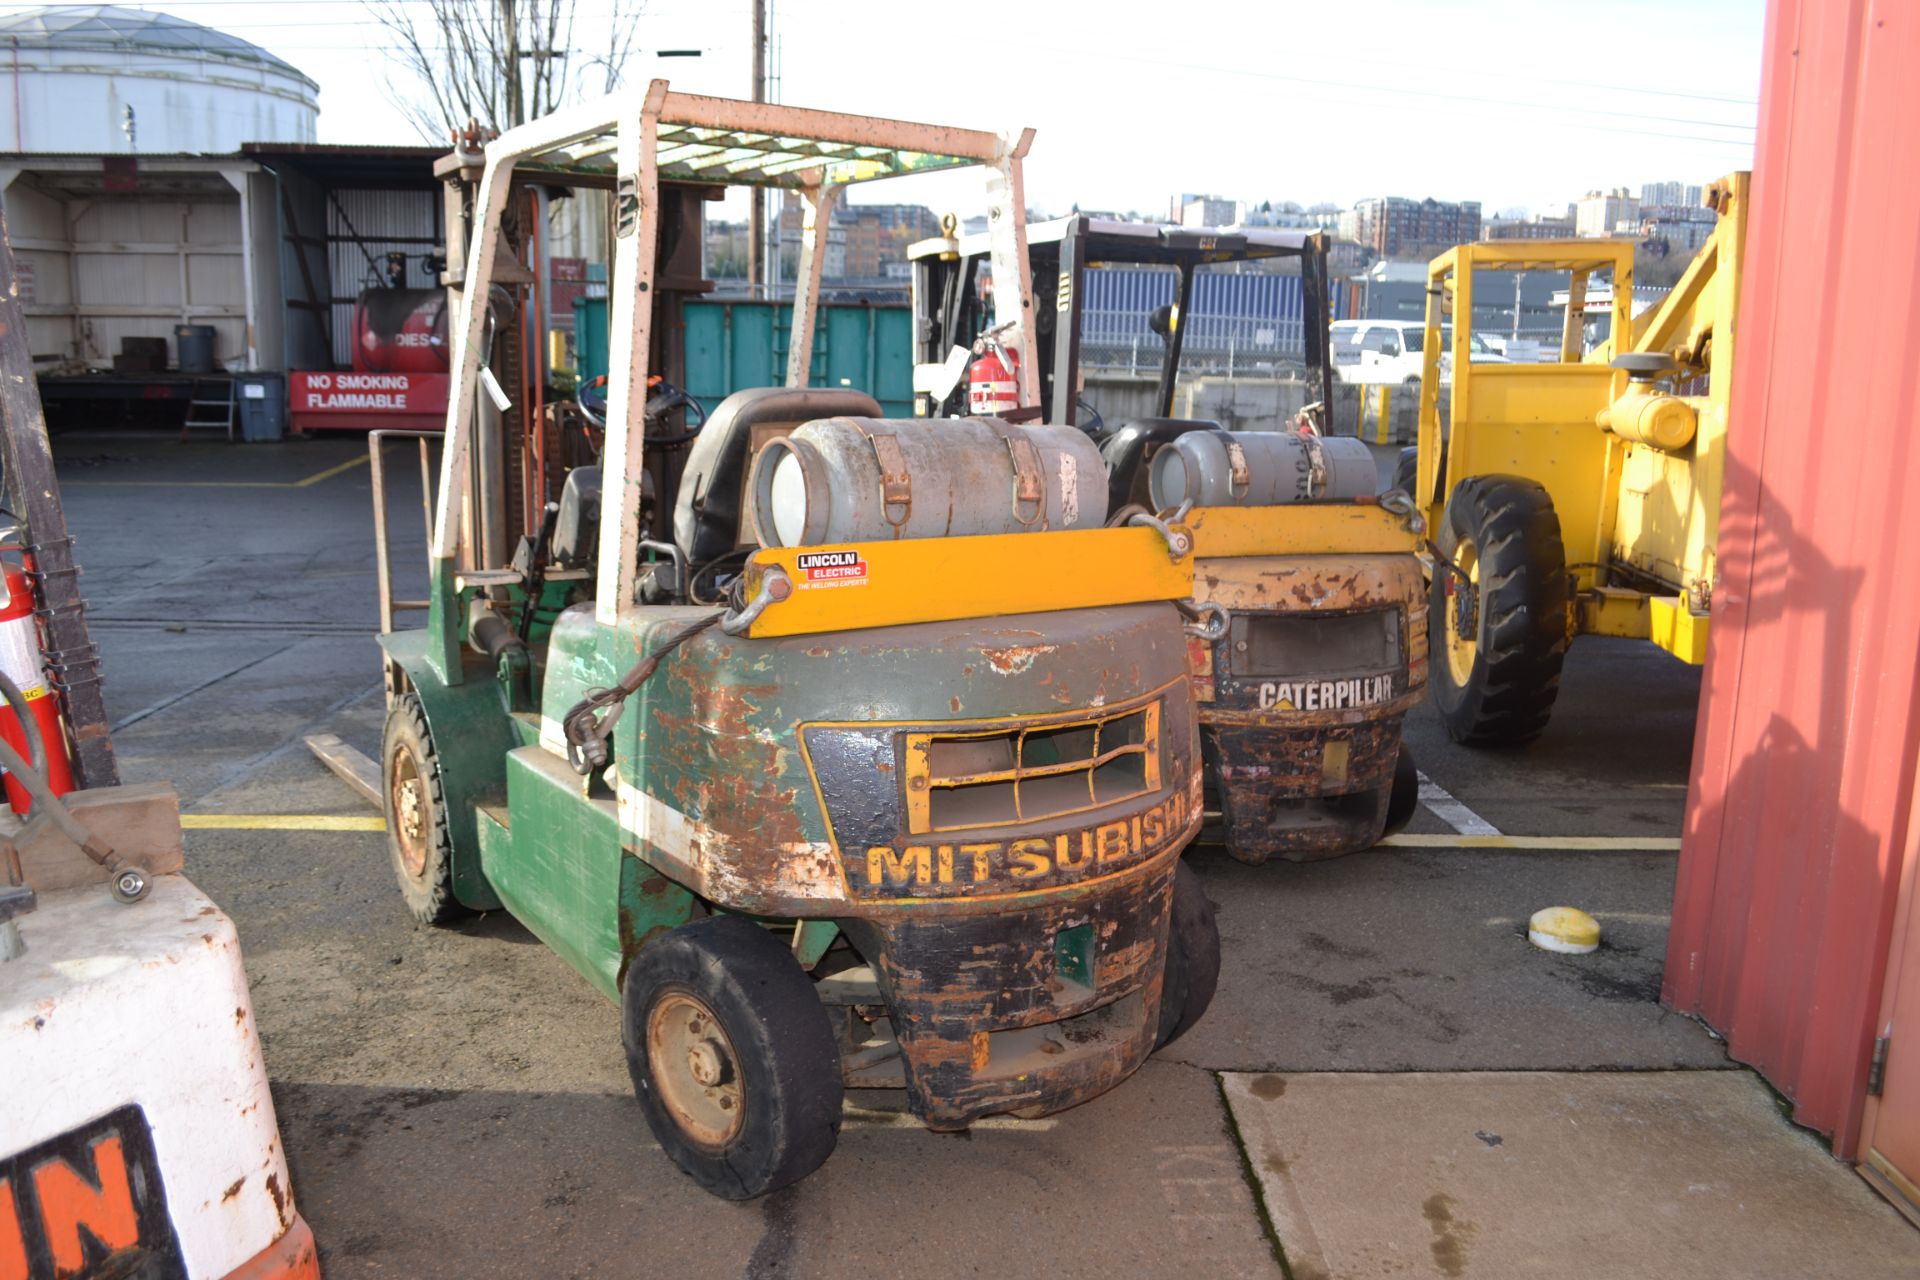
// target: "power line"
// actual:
[[1380, 88]]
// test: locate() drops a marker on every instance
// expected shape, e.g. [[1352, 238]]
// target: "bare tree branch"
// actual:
[[499, 62]]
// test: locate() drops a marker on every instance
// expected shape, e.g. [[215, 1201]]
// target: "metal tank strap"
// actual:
[[1029, 481], [1238, 478], [1316, 464], [896, 481]]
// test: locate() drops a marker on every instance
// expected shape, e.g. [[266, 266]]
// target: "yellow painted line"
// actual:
[[283, 822], [311, 480], [330, 472], [1572, 844]]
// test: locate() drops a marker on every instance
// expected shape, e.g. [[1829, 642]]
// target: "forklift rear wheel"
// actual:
[[415, 796], [732, 1057], [1502, 633], [1404, 797], [1193, 958]]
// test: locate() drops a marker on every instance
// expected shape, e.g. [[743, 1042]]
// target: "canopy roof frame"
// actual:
[[659, 136]]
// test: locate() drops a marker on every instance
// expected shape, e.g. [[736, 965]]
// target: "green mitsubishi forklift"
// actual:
[[837, 751], [1315, 645]]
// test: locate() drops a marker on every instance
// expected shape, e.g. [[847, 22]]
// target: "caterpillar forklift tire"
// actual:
[[1193, 958], [732, 1057], [416, 812], [1405, 470], [1404, 798], [1500, 641]]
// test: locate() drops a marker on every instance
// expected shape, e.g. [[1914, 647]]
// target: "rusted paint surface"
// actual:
[[1296, 779], [744, 765], [715, 786], [987, 1026]]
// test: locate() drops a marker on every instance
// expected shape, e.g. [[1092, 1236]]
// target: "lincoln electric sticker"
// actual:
[[831, 569]]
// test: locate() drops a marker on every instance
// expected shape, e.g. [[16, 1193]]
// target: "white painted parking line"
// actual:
[[1442, 805]]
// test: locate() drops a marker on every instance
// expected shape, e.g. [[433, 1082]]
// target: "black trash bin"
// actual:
[[195, 342]]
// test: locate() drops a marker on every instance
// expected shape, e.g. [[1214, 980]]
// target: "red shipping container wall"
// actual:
[[1803, 765]]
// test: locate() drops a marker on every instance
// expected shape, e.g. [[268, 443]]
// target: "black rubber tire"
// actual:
[[429, 892], [1405, 468], [788, 1062], [1193, 958], [1521, 632], [1403, 796]]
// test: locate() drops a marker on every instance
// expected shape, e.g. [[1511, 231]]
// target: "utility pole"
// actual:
[[510, 35], [757, 273]]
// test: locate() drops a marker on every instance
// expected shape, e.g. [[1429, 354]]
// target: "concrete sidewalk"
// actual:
[[1555, 1174]]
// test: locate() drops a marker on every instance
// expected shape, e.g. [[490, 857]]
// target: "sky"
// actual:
[[1512, 103]]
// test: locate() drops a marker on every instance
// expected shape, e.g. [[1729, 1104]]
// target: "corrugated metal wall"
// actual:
[[1248, 317], [363, 226], [1799, 816]]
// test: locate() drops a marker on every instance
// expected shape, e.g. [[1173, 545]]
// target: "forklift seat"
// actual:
[[1127, 451], [707, 516]]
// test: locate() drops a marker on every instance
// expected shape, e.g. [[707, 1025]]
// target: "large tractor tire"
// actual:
[[1406, 469], [1193, 958], [416, 810], [732, 1056], [1500, 638]]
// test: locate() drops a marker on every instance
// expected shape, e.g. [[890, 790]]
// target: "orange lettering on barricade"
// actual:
[[70, 1204]]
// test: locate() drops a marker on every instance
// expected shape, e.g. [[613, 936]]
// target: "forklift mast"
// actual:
[[949, 311]]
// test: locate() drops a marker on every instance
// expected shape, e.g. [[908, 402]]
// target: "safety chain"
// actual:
[[1207, 621], [1401, 503]]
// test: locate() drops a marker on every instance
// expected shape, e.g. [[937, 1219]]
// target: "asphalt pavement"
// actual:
[[454, 1102]]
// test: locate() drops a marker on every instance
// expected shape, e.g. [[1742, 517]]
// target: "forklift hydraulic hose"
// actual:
[[129, 883], [586, 731]]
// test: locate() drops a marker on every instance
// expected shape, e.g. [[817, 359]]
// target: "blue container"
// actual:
[[260, 401]]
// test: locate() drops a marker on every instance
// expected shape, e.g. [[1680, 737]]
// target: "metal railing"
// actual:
[[382, 548]]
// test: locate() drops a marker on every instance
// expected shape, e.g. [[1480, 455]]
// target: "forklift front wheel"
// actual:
[[732, 1056], [1193, 958], [417, 837]]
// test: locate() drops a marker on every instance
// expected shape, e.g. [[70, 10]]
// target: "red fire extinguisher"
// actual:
[[20, 659], [993, 386]]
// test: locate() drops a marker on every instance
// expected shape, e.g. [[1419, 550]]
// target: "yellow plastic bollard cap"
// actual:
[[1567, 930]]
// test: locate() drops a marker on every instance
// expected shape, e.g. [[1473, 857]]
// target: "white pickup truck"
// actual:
[[1376, 351]]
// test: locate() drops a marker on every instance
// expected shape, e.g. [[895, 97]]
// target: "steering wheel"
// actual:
[[662, 399], [1090, 420]]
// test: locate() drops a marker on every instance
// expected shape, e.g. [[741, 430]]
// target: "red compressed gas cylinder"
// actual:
[[20, 659], [400, 331]]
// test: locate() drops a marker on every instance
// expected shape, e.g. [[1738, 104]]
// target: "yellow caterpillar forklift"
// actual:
[[1313, 648], [1579, 496], [837, 751]]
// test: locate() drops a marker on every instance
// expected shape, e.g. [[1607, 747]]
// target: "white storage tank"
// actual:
[[100, 78]]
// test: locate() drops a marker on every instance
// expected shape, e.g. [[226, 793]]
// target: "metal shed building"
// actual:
[[110, 247]]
